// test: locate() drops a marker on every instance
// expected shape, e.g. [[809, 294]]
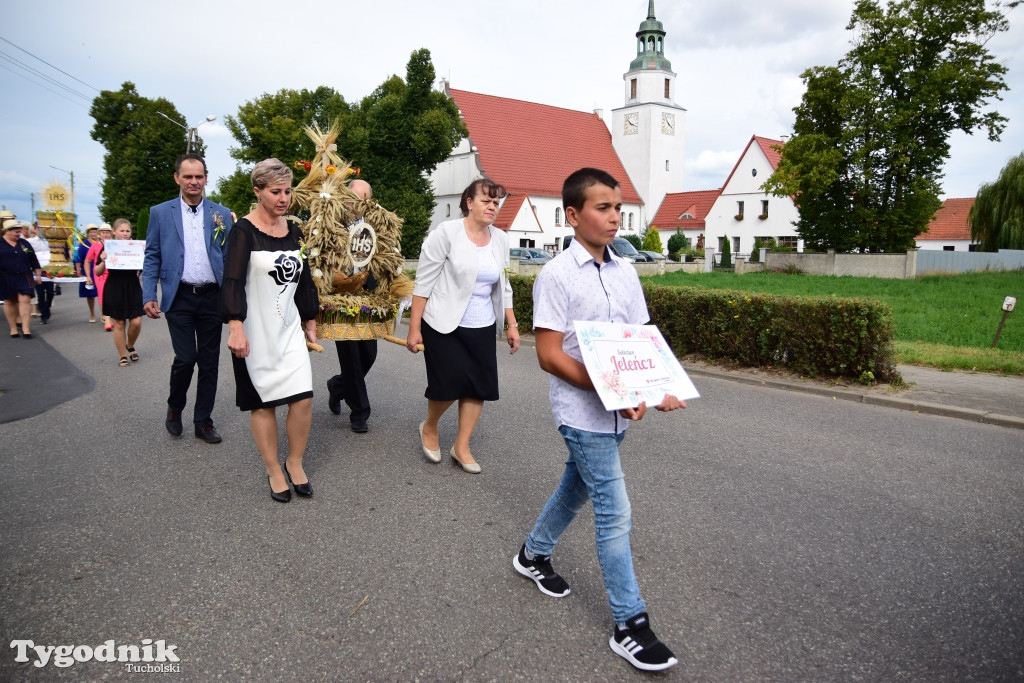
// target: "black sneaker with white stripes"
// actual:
[[540, 572], [638, 645]]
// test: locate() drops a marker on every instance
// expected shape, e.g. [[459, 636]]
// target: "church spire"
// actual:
[[650, 46]]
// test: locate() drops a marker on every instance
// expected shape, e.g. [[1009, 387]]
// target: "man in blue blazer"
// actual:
[[185, 246]]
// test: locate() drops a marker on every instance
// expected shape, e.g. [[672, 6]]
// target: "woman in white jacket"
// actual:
[[462, 297]]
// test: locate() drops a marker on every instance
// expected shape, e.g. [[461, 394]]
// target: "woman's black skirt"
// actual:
[[460, 364]]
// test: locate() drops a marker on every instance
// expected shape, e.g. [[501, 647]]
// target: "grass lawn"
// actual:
[[948, 321]]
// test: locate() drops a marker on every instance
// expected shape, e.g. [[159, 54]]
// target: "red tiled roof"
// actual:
[[531, 148], [950, 221], [766, 145], [508, 212], [675, 204]]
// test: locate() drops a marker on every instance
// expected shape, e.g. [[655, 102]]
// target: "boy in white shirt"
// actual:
[[588, 282]]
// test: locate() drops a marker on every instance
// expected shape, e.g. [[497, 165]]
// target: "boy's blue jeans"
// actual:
[[593, 472]]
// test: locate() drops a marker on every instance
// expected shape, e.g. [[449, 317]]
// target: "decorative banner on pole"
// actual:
[[629, 364]]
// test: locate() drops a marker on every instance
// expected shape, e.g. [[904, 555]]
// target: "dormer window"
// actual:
[[687, 217]]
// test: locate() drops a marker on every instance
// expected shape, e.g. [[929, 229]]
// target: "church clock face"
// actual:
[[668, 123], [631, 124]]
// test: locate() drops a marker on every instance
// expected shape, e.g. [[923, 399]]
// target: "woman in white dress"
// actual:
[[269, 303]]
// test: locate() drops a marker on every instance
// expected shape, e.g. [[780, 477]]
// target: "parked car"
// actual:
[[652, 256], [527, 255], [620, 246]]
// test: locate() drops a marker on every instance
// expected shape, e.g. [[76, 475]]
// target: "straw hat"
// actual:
[[91, 226], [11, 224], [6, 215], [105, 227]]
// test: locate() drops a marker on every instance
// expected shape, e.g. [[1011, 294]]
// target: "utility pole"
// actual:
[[191, 134]]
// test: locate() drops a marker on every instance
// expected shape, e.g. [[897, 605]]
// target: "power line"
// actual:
[[76, 102], [48, 64], [40, 74]]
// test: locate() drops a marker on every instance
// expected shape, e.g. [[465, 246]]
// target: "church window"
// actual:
[[558, 215], [666, 164], [668, 89], [632, 88], [630, 219]]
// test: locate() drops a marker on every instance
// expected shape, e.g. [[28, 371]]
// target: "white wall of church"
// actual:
[[450, 178]]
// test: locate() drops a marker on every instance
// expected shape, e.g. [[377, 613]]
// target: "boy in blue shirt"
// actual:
[[588, 282]]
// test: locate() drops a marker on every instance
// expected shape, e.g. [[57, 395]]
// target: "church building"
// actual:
[[531, 148]]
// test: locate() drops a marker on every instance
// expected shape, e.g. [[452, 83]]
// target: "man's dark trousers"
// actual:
[[355, 359], [195, 326], [44, 297]]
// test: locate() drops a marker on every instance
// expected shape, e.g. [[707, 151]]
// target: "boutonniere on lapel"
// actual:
[[218, 228]]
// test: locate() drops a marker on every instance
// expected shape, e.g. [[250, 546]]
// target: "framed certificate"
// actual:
[[125, 254], [631, 363]]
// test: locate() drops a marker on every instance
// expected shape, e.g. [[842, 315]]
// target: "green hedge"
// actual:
[[814, 336]]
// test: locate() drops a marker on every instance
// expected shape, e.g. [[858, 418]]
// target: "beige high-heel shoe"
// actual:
[[432, 454], [472, 468]]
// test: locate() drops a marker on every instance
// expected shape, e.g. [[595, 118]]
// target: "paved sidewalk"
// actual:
[[975, 396]]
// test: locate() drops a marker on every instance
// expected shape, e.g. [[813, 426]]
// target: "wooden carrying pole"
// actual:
[[399, 341]]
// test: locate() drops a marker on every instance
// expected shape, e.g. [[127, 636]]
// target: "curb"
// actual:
[[923, 407]]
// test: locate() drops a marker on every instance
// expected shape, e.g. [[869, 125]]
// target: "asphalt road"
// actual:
[[777, 535]]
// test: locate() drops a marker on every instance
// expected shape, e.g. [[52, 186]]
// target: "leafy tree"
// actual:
[[997, 217], [397, 136], [142, 223], [677, 242], [142, 147], [652, 240], [871, 134], [634, 240], [272, 126]]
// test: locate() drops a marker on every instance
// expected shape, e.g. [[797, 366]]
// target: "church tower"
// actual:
[[648, 132]]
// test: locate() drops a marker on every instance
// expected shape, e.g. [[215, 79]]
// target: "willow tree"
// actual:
[[997, 217]]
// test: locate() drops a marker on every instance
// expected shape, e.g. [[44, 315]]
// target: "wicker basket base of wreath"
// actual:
[[353, 331]]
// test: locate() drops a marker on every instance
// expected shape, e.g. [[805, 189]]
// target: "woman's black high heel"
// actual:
[[304, 490], [283, 496]]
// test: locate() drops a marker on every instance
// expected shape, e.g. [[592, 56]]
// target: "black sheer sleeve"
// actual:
[[306, 298], [236, 269]]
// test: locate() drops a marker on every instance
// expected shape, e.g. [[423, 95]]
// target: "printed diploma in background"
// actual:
[[631, 363]]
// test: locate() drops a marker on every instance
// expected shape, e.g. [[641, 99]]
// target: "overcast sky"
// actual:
[[738, 66]]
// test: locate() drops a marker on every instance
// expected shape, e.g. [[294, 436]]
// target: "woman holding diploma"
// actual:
[[122, 300]]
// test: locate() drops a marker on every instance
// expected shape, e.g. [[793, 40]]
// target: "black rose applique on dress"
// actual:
[[287, 269]]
